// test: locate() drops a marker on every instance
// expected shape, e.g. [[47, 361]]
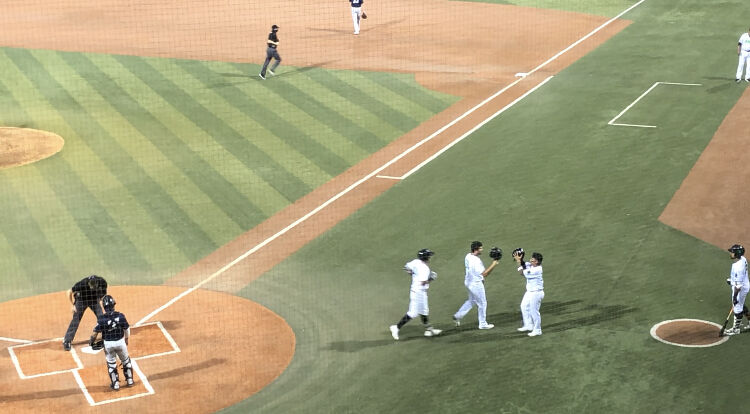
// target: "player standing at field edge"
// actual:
[[271, 52], [421, 276], [740, 285], [356, 13], [743, 51]]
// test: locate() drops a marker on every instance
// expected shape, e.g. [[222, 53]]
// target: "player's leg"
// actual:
[[73, 326], [536, 317], [747, 66], [269, 55], [740, 66], [465, 308], [114, 378], [481, 300], [410, 314], [738, 313], [127, 366], [528, 323], [355, 19], [277, 62], [423, 309]]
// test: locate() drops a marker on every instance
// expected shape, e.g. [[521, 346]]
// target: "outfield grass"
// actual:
[[608, 8]]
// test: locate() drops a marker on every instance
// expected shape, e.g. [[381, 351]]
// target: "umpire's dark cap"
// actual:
[[274, 27]]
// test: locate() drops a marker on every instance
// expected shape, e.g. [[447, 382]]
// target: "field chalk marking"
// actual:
[[658, 338], [612, 122]]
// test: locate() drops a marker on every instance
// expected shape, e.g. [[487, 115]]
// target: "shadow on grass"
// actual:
[[253, 77]]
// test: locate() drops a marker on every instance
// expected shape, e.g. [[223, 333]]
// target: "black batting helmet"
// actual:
[[108, 303], [425, 254], [737, 250]]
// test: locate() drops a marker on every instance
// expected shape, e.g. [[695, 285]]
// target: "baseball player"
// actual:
[[743, 51], [114, 329], [84, 294], [421, 276], [740, 285], [474, 282], [271, 53], [357, 13], [532, 299]]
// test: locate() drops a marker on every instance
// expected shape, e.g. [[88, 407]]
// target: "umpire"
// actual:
[[271, 52], [84, 294]]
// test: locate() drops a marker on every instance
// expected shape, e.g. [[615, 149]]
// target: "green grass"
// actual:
[[609, 8], [166, 160]]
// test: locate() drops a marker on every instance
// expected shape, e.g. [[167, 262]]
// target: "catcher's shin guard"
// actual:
[[127, 369], [113, 376]]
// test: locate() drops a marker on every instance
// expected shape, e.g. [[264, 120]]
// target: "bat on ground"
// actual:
[[721, 331]]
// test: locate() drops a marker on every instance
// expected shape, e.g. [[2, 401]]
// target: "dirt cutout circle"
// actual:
[[19, 146], [225, 349], [691, 333]]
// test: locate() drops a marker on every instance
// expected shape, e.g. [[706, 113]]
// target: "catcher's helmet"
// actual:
[[425, 254], [108, 302], [737, 250]]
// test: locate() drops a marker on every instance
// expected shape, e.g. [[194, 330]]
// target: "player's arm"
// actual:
[[72, 299], [489, 270]]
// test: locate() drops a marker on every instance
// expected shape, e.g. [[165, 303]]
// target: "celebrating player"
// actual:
[[421, 276], [532, 299], [474, 282]]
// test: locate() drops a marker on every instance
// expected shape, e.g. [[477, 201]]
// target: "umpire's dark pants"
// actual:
[[78, 314], [271, 53]]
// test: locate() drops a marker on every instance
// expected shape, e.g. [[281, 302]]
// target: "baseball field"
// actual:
[[254, 231]]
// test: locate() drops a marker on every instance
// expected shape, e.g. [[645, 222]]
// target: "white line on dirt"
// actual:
[[375, 172]]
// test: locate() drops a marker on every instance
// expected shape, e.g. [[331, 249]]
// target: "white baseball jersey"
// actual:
[[745, 41], [738, 276], [533, 274], [474, 269], [420, 272]]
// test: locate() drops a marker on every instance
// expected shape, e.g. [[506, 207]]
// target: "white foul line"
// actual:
[[612, 122], [18, 341], [374, 173]]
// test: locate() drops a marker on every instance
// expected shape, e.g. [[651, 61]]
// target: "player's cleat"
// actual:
[[732, 331], [271, 72], [456, 322], [535, 333], [115, 386], [261, 76], [737, 80], [488, 326], [524, 329], [432, 332], [66, 346], [394, 332], [130, 382]]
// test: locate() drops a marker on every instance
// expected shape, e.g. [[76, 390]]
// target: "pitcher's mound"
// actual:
[[19, 146], [688, 333]]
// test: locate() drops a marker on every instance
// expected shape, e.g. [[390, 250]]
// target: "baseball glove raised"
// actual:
[[364, 15], [496, 253], [518, 252]]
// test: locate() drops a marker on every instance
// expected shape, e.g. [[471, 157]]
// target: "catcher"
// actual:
[[111, 333]]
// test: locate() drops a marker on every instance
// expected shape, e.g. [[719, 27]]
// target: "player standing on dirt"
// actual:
[[271, 53], [114, 329], [84, 294], [357, 14]]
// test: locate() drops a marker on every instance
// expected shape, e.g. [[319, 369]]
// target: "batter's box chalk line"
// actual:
[[613, 123]]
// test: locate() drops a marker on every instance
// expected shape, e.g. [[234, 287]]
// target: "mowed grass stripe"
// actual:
[[165, 209], [254, 131], [94, 220], [244, 148], [349, 140], [31, 248], [433, 102], [282, 125], [245, 180], [387, 114], [171, 182], [396, 101]]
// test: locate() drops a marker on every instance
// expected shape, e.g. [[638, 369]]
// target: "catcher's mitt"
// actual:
[[96, 345], [496, 253], [364, 15]]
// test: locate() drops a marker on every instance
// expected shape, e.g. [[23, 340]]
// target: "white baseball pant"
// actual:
[[530, 305], [744, 63], [740, 300], [417, 303], [356, 15], [476, 297]]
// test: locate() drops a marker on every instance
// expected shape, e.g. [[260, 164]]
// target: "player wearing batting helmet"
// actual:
[[421, 276], [738, 281]]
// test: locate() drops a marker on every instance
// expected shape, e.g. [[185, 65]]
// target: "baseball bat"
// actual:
[[721, 331]]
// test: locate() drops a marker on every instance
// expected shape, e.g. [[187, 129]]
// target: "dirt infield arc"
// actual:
[[229, 348]]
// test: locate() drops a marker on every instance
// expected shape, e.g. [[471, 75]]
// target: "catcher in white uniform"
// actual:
[[421, 276], [740, 285], [532, 299], [474, 282], [743, 51]]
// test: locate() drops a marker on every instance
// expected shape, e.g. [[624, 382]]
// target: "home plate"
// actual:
[[88, 350]]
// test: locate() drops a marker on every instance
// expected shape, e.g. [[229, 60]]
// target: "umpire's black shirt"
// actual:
[[272, 38], [84, 294]]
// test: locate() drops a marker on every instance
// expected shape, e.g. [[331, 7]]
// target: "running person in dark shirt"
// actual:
[[84, 294], [115, 330], [271, 53]]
